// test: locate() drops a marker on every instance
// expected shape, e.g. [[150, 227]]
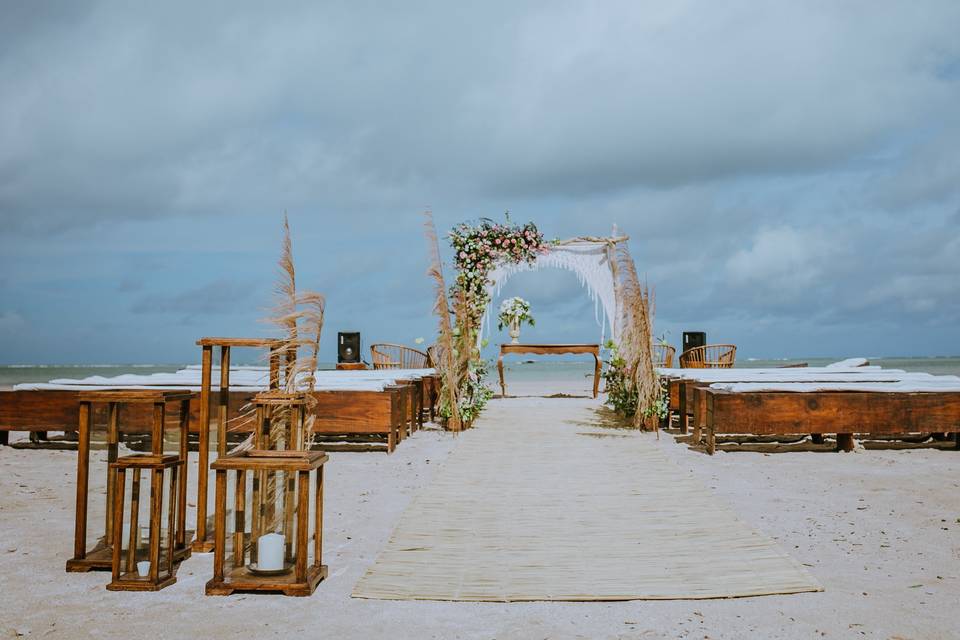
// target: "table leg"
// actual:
[[503, 387], [596, 374]]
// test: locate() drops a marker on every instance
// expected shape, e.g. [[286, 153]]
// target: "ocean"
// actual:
[[515, 368]]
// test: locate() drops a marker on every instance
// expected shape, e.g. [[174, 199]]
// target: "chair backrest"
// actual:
[[663, 355], [397, 356], [711, 356], [434, 355]]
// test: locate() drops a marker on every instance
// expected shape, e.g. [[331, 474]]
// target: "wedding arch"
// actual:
[[592, 260], [486, 255]]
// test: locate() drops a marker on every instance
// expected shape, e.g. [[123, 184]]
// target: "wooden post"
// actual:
[[134, 520], [318, 524], [239, 517], [224, 405], [289, 492], [255, 515], [173, 514], [182, 486], [113, 439], [220, 526], [203, 452], [156, 512], [303, 522], [83, 469], [156, 432], [274, 369], [116, 499]]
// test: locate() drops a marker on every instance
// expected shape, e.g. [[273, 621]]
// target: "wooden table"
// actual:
[[553, 350]]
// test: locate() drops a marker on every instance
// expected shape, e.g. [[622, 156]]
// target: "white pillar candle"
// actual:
[[270, 552], [143, 568]]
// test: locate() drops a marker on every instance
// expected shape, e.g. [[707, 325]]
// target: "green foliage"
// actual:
[[621, 392]]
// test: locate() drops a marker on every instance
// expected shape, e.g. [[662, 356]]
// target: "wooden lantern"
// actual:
[[100, 557], [268, 405], [159, 553], [202, 544], [295, 575]]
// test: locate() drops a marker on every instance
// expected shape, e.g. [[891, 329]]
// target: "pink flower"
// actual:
[[498, 240], [463, 254]]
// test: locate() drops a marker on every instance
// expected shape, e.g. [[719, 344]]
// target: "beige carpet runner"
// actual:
[[539, 503]]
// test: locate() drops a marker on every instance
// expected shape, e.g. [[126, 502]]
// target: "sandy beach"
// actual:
[[880, 530]]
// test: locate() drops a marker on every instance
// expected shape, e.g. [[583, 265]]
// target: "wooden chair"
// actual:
[[711, 356], [663, 355], [434, 355], [397, 356]]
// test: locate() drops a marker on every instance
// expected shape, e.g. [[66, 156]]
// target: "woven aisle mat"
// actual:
[[538, 503]]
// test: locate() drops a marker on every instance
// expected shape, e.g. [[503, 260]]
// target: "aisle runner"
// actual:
[[536, 503]]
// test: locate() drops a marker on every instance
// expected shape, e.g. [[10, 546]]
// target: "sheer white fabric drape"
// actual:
[[590, 261]]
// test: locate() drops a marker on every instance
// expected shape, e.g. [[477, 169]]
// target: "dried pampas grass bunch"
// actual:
[[636, 336], [298, 318], [447, 367]]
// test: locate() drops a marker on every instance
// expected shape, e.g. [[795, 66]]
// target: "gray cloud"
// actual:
[[776, 165], [219, 297]]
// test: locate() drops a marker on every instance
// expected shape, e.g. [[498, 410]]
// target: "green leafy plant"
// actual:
[[622, 394]]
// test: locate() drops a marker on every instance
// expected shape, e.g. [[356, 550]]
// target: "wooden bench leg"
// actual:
[[4, 437], [684, 421], [845, 442], [711, 440]]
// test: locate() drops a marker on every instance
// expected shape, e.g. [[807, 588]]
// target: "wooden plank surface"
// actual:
[[832, 412]]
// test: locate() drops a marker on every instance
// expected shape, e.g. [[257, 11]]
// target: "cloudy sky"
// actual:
[[788, 171]]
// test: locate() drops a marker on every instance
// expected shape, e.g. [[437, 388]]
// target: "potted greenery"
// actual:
[[513, 312]]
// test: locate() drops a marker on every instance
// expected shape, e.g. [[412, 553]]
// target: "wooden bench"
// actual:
[[840, 412]]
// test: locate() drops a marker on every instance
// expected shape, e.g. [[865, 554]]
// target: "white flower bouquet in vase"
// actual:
[[514, 312]]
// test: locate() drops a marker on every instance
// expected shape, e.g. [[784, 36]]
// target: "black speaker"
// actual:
[[348, 346], [693, 339]]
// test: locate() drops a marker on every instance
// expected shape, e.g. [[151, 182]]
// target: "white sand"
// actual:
[[878, 529]]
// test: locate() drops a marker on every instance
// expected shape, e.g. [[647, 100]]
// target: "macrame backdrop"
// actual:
[[590, 259]]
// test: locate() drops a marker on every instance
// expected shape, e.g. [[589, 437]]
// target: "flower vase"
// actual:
[[515, 331]]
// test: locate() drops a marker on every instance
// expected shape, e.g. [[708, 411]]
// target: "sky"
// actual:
[[787, 172]]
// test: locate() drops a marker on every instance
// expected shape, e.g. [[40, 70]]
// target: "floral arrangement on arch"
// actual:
[[478, 249], [512, 310]]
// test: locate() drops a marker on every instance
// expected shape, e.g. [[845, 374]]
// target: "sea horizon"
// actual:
[[523, 367]]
